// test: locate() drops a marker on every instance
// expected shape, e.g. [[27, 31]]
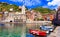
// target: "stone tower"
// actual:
[[23, 9]]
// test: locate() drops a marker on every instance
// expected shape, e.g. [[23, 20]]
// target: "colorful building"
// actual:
[[33, 15], [48, 17]]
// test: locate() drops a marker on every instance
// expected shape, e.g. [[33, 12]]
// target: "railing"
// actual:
[[34, 21]]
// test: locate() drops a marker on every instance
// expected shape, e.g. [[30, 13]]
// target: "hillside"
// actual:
[[42, 10], [6, 7]]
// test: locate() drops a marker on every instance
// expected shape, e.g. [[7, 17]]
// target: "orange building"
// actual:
[[29, 15], [32, 15], [51, 17]]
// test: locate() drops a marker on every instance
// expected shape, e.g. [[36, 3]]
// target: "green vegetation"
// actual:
[[42, 10], [6, 7]]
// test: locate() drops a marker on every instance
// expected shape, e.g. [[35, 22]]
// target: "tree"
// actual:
[[42, 10], [6, 7]]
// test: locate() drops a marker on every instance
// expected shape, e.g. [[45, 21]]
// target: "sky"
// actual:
[[51, 4]]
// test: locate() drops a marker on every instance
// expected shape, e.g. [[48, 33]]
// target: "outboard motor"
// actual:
[[56, 20]]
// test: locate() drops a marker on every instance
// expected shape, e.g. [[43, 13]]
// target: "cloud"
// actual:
[[48, 0], [54, 3], [17, 0], [44, 6], [28, 2], [34, 3]]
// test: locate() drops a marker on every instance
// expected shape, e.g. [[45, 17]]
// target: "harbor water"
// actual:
[[15, 30]]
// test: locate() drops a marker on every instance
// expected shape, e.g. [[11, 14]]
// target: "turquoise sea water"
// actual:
[[14, 30]]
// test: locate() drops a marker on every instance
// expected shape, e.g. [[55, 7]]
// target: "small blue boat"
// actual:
[[1, 24]]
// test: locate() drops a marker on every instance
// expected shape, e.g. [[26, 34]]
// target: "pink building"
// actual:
[[31, 15]]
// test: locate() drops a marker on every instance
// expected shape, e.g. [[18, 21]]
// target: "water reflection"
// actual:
[[12, 30], [17, 29]]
